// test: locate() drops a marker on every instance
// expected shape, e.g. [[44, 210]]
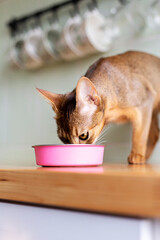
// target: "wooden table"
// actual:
[[122, 190]]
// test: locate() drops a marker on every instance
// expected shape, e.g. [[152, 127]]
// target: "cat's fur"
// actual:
[[120, 88]]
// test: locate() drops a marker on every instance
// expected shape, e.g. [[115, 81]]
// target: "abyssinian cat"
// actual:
[[118, 89]]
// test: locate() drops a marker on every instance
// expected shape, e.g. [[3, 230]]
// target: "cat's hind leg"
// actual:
[[153, 135]]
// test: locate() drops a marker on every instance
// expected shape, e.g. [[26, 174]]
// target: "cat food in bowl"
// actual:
[[69, 155]]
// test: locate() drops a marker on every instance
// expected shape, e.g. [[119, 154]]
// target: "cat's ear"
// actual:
[[54, 99], [87, 98]]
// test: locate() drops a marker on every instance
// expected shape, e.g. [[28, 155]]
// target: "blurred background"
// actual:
[[51, 50]]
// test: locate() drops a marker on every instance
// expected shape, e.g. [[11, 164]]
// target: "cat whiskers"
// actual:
[[97, 139], [104, 131], [102, 137], [101, 134], [105, 140]]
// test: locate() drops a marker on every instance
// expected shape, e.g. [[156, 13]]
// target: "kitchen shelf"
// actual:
[[119, 189]]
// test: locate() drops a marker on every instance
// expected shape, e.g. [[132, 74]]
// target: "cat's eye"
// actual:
[[84, 136]]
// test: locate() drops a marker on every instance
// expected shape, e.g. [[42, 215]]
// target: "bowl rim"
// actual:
[[68, 145]]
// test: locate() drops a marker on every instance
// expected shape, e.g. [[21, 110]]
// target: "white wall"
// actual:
[[25, 118]]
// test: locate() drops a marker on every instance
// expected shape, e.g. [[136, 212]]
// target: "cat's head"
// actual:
[[79, 114]]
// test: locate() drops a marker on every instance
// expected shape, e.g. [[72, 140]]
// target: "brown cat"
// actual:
[[118, 89]]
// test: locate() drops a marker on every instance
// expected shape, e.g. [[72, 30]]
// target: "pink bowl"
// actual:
[[69, 155]]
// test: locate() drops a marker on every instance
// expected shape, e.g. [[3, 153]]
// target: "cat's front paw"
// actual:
[[135, 158]]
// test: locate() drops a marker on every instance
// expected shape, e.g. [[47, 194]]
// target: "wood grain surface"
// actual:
[[113, 189]]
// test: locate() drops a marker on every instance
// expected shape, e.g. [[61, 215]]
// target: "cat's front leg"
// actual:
[[153, 134], [136, 158], [141, 121]]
